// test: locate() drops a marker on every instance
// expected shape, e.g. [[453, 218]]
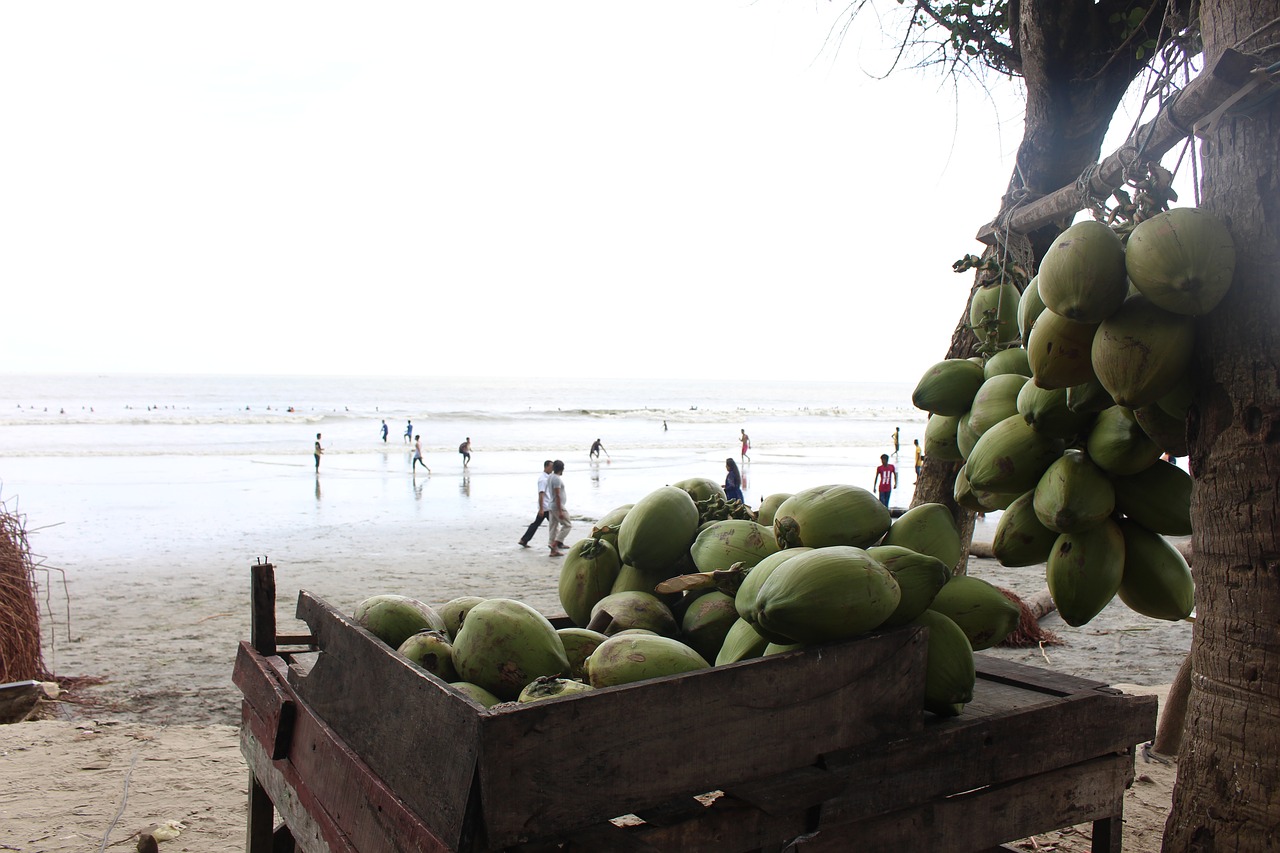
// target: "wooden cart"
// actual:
[[355, 749]]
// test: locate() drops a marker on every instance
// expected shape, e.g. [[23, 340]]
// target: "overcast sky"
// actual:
[[583, 189]]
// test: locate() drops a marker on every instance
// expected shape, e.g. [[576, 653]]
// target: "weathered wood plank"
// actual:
[[418, 735], [263, 689], [992, 668], [345, 803], [1154, 139], [968, 754], [984, 818], [639, 745]]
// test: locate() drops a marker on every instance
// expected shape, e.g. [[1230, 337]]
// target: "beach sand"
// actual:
[[161, 625]]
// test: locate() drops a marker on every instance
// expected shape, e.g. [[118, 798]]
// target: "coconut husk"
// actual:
[[1028, 632], [20, 653]]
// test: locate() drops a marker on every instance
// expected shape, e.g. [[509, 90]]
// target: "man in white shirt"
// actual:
[[542, 505], [557, 509]]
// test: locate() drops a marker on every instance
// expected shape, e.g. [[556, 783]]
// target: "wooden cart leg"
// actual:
[[1108, 833], [261, 819]]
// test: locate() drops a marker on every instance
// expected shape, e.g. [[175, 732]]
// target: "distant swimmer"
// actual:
[[408, 432], [417, 454], [384, 432], [465, 450], [319, 450], [596, 447]]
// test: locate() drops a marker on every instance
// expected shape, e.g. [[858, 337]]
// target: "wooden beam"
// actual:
[[1154, 139]]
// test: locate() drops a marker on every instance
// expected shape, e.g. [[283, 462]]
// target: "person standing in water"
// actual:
[[319, 450], [465, 450], [746, 445], [896, 433], [384, 432], [417, 454], [596, 447], [408, 432]]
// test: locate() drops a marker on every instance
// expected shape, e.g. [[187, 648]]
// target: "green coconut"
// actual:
[[919, 577], [831, 515], [707, 622], [432, 651], [657, 531], [993, 312], [1118, 445], [622, 610], [1168, 432], [978, 500], [1073, 495], [579, 643], [1182, 260], [950, 674], [475, 693], [825, 595], [395, 618], [981, 610], [769, 506], [1010, 457], [588, 573], [1141, 352], [1020, 538], [1012, 360], [928, 529], [550, 687], [1046, 411], [1156, 581], [966, 435], [1029, 308], [1158, 497], [1085, 570], [996, 400], [1089, 397], [721, 544], [455, 610], [1059, 351], [1082, 274], [940, 440], [504, 644], [701, 488], [742, 642], [637, 657], [744, 599], [607, 527], [948, 387]]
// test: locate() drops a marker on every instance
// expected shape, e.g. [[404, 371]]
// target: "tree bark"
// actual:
[[1226, 796]]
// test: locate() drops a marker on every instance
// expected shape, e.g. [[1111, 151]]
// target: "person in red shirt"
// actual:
[[886, 479]]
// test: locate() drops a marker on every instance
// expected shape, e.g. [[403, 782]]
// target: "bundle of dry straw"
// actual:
[[20, 655]]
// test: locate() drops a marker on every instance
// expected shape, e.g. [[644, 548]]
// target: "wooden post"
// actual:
[[1171, 125], [261, 831], [262, 601]]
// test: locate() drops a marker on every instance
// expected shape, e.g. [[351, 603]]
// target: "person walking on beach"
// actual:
[[746, 445], [408, 432], [319, 450], [465, 450], [542, 505], [557, 510], [919, 458], [417, 454], [733, 482], [384, 432], [596, 447], [886, 479]]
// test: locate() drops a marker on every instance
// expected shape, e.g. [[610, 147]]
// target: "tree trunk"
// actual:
[[1226, 796]]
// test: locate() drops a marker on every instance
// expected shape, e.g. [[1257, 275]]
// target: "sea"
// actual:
[[113, 469]]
